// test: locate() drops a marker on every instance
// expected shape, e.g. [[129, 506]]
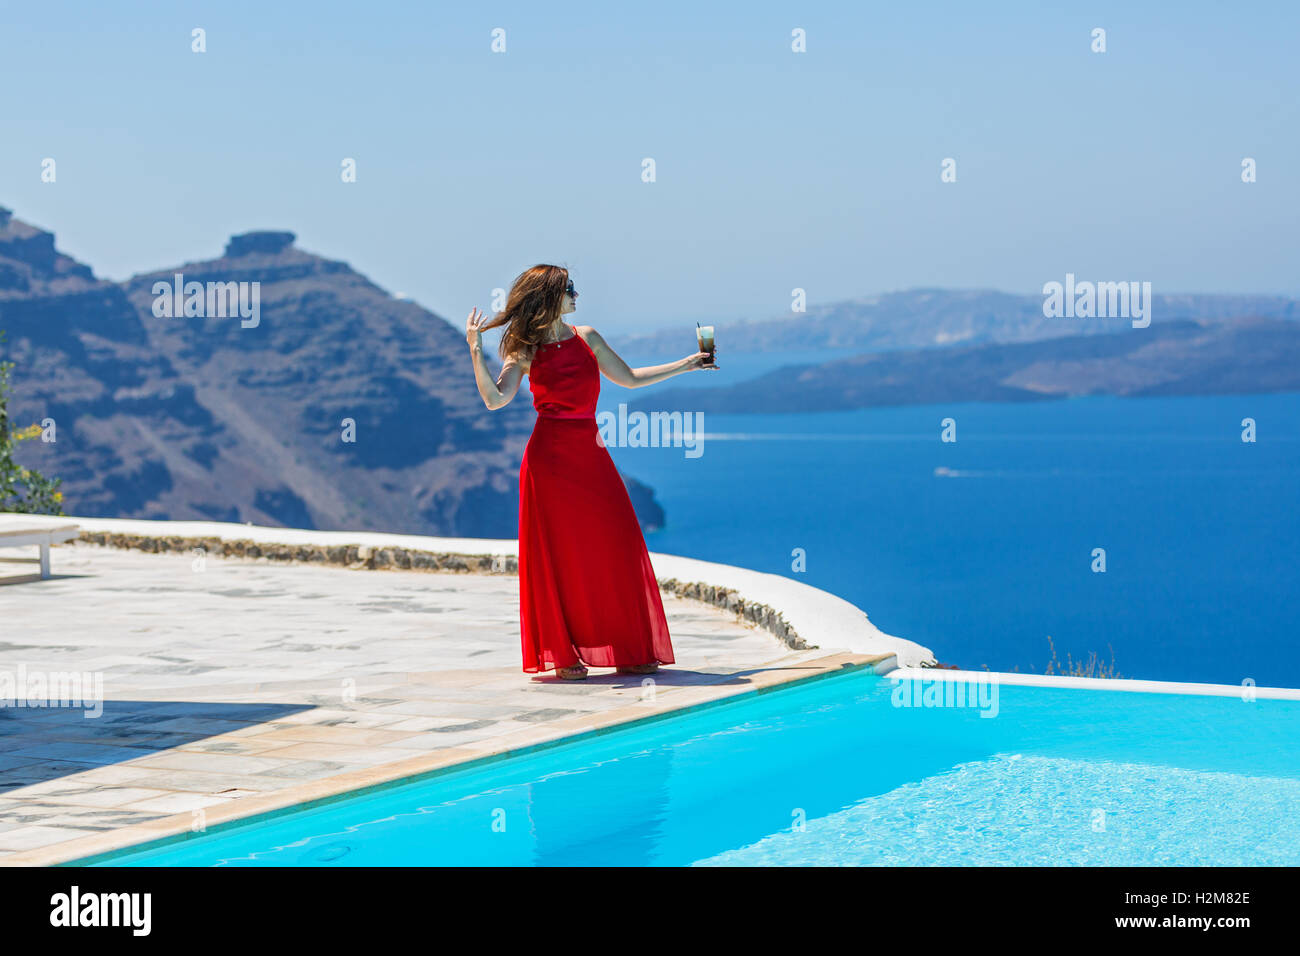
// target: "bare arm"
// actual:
[[495, 394], [618, 371]]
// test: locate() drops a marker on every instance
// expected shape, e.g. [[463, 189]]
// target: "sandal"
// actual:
[[573, 672], [639, 669]]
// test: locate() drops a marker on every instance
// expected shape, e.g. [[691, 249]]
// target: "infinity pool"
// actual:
[[848, 770]]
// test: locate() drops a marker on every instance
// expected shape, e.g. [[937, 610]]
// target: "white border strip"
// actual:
[[233, 531], [1093, 683]]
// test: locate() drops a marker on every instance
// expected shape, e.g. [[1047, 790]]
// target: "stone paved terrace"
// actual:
[[267, 683]]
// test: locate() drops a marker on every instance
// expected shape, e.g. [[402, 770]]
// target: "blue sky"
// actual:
[[775, 170]]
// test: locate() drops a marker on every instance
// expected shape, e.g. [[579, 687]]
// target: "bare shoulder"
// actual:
[[589, 335]]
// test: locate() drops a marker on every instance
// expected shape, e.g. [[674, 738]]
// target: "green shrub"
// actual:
[[22, 489]]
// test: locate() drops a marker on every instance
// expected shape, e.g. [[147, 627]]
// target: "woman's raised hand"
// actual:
[[474, 328]]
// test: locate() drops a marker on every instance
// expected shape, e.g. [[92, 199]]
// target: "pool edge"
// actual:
[[177, 828], [1119, 684]]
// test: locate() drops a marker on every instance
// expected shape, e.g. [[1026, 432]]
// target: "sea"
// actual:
[[1141, 533]]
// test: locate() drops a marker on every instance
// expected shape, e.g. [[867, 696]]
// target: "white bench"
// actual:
[[15, 532]]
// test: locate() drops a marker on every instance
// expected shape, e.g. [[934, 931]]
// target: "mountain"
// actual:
[[1168, 358], [920, 318], [244, 418]]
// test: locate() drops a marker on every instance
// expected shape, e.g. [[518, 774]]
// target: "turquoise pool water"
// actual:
[[846, 770]]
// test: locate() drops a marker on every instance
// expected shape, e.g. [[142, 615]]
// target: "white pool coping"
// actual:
[[1094, 683], [822, 619]]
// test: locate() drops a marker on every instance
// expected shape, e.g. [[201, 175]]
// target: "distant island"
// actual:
[[1178, 357], [213, 417], [938, 318]]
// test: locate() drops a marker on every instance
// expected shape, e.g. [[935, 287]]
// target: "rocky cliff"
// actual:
[[336, 407]]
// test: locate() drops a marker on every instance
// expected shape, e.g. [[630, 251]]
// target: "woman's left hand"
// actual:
[[701, 360]]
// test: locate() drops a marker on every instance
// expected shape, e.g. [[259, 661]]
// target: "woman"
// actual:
[[587, 592]]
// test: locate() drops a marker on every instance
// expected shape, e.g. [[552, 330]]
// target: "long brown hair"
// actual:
[[531, 309]]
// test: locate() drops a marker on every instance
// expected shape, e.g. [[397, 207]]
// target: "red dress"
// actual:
[[587, 592]]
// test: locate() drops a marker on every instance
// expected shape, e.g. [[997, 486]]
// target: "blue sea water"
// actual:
[[982, 549]]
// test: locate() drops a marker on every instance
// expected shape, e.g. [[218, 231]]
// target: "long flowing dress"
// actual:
[[587, 591]]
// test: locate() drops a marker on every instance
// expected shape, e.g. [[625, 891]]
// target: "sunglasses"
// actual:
[[570, 290]]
